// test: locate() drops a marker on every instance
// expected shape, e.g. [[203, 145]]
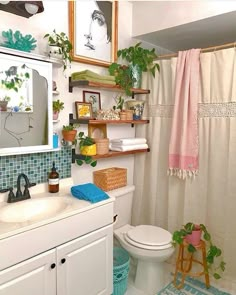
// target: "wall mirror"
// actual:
[[26, 120]]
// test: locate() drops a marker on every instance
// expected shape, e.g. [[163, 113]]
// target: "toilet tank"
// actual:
[[122, 205]]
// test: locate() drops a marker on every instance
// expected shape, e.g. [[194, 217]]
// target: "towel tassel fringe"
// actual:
[[182, 174]]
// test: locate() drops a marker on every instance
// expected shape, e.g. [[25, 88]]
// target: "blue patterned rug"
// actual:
[[191, 287]]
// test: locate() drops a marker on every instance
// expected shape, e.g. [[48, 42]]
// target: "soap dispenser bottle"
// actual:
[[53, 180]]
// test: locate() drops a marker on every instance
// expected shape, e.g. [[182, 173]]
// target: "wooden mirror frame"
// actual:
[[114, 36]]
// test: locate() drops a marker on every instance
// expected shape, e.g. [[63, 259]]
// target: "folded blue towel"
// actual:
[[88, 192]]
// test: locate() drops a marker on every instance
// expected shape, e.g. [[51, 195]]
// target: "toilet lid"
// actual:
[[149, 237]]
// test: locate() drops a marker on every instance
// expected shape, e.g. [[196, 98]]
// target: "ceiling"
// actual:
[[208, 32]]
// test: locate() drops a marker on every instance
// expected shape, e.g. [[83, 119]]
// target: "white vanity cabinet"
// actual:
[[84, 265], [70, 256], [33, 276]]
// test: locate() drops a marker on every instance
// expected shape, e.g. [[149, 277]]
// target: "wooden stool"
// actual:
[[185, 262]]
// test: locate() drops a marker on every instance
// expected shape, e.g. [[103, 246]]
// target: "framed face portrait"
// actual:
[[93, 31], [83, 110], [93, 98]]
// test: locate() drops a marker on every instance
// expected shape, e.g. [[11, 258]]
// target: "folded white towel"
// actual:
[[129, 141], [125, 148]]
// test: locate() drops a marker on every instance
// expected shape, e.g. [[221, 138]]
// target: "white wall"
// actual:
[[151, 16], [55, 16]]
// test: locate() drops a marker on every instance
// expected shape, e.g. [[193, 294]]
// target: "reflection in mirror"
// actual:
[[26, 123], [16, 88]]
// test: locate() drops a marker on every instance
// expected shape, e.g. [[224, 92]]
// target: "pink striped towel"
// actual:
[[183, 147]]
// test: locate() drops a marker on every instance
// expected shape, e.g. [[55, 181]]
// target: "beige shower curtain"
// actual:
[[169, 202]]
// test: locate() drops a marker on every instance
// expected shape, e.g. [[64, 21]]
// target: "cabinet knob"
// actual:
[[63, 260], [53, 265]]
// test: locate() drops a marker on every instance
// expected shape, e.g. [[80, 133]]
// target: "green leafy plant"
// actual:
[[142, 57], [69, 133], [62, 41], [68, 127], [85, 141], [123, 76], [135, 56], [213, 252], [57, 105]]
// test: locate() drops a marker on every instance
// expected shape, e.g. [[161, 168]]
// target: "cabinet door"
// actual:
[[85, 264], [30, 277]]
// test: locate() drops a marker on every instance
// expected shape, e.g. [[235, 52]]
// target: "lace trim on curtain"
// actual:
[[227, 109]]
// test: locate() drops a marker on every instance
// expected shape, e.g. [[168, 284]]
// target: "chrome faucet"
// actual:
[[19, 196]]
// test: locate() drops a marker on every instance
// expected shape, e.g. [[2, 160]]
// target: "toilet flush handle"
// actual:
[[115, 219]]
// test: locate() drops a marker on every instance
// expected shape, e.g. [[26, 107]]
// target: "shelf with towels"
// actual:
[[89, 84], [111, 154]]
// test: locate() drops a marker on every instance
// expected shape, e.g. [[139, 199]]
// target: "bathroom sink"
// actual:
[[33, 209]]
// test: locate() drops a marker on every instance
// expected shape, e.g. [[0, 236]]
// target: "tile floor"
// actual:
[[227, 286]]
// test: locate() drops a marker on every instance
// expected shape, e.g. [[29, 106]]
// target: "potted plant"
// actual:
[[69, 132], [123, 76], [3, 103], [60, 47], [120, 106], [87, 148], [139, 60], [212, 251], [57, 106]]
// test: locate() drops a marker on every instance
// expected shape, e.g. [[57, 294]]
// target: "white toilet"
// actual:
[[150, 245]]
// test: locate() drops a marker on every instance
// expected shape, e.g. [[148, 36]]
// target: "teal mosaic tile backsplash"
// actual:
[[35, 166]]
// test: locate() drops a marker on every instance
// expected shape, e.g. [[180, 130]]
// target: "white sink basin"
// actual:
[[33, 209]]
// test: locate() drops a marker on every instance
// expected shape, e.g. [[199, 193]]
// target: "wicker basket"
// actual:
[[102, 145], [111, 178]]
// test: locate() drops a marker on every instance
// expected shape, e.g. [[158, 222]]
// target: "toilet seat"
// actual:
[[148, 237]]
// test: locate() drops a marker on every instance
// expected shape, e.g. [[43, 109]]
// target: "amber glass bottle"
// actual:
[[53, 180]]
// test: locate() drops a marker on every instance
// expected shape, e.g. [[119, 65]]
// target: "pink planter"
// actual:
[[194, 238], [55, 115]]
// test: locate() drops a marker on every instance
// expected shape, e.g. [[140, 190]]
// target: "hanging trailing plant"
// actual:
[[84, 142]]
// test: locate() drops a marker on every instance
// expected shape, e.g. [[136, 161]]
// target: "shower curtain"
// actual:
[[210, 198]]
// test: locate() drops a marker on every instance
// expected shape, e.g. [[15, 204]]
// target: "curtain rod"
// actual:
[[212, 48]]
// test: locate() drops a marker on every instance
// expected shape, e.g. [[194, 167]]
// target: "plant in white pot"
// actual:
[[59, 47]]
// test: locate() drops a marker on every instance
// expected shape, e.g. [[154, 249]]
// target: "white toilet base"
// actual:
[[149, 277]]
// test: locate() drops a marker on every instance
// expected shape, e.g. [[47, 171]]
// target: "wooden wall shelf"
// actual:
[[89, 84], [98, 122], [111, 154]]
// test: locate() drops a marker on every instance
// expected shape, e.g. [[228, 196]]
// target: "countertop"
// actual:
[[75, 206]]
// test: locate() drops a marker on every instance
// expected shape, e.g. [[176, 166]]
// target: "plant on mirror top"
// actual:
[[60, 47], [186, 234]]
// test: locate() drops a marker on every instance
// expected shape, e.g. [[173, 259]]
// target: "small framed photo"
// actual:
[[93, 98], [83, 110]]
